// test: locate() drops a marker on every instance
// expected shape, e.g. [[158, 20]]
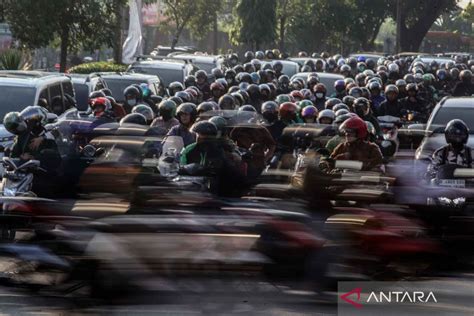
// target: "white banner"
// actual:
[[132, 47]]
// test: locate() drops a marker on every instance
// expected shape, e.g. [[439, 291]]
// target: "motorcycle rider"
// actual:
[[362, 109], [320, 96], [202, 84], [413, 102], [465, 87], [391, 106], [186, 114], [132, 97], [356, 147], [376, 98], [455, 152]]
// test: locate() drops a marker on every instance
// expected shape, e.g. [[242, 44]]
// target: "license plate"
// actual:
[[452, 183]]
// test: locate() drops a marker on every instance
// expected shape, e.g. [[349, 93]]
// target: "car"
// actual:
[[327, 79], [446, 110], [374, 56], [302, 60], [204, 62], [118, 81], [168, 69], [165, 50], [85, 84], [290, 68]]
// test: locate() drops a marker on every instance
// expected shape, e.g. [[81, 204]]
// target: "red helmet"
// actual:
[[354, 125], [100, 105], [288, 110], [217, 86], [297, 95]]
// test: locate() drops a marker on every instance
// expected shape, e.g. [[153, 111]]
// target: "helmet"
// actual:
[[454, 72], [321, 88], [284, 79], [409, 78], [217, 87], [175, 87], [239, 99], [269, 111], [412, 87], [442, 74], [35, 113], [133, 94], [374, 85], [219, 122], [247, 108], [282, 98], [302, 54], [145, 110], [205, 129], [176, 100], [287, 111], [465, 76], [183, 95], [348, 81], [187, 108], [259, 55], [400, 83], [361, 106], [227, 102], [264, 90], [309, 111], [355, 92], [345, 68], [330, 103], [393, 68], [249, 56], [96, 94], [356, 126], [360, 79], [146, 92], [297, 95], [339, 85], [256, 64], [341, 112], [167, 109], [456, 132], [14, 123], [133, 118], [217, 73], [205, 107], [255, 77], [269, 54], [312, 81], [189, 81], [201, 75], [230, 75], [340, 106], [342, 118], [391, 88], [100, 105], [348, 100], [329, 114]]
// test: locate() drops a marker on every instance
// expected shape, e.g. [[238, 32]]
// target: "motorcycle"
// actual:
[[390, 143]]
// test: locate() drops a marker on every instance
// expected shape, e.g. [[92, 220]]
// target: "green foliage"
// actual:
[[100, 66], [194, 15], [13, 59], [255, 22]]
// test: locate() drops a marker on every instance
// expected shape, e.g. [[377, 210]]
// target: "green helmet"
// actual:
[[427, 79], [167, 109], [282, 98]]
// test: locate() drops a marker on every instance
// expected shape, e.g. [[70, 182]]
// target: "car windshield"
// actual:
[[15, 99], [118, 85], [166, 75], [447, 114]]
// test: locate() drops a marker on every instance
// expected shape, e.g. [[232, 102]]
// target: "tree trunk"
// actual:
[[118, 36], [64, 45], [214, 35], [282, 33]]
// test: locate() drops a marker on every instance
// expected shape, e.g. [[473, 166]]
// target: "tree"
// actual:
[[286, 10], [417, 18], [87, 23], [198, 16], [255, 22]]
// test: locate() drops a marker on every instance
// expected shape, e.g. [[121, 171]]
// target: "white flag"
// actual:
[[132, 47]]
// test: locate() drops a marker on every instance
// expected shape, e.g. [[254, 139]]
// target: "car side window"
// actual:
[[99, 86], [56, 103], [45, 95], [67, 88]]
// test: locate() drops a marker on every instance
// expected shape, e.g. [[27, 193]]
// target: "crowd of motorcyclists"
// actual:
[[255, 88]]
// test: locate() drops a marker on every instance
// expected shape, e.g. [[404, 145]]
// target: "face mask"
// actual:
[[319, 95], [132, 102]]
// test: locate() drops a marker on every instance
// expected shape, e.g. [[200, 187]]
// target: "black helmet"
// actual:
[[107, 92], [217, 73], [205, 129], [189, 81], [249, 67], [270, 111], [259, 55], [14, 123], [412, 87], [187, 108], [340, 106], [249, 56], [348, 100], [456, 133], [145, 110], [361, 106], [219, 122], [177, 100], [175, 87], [133, 118], [269, 54], [183, 95], [227, 102], [131, 92], [278, 66], [201, 74], [239, 98], [97, 94], [330, 103], [167, 109], [205, 107], [230, 75], [36, 114], [465, 76], [247, 108], [253, 91]]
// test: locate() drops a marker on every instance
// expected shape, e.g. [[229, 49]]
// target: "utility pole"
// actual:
[[399, 26], [214, 34]]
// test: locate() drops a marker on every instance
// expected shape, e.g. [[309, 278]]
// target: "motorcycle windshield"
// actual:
[[172, 143]]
